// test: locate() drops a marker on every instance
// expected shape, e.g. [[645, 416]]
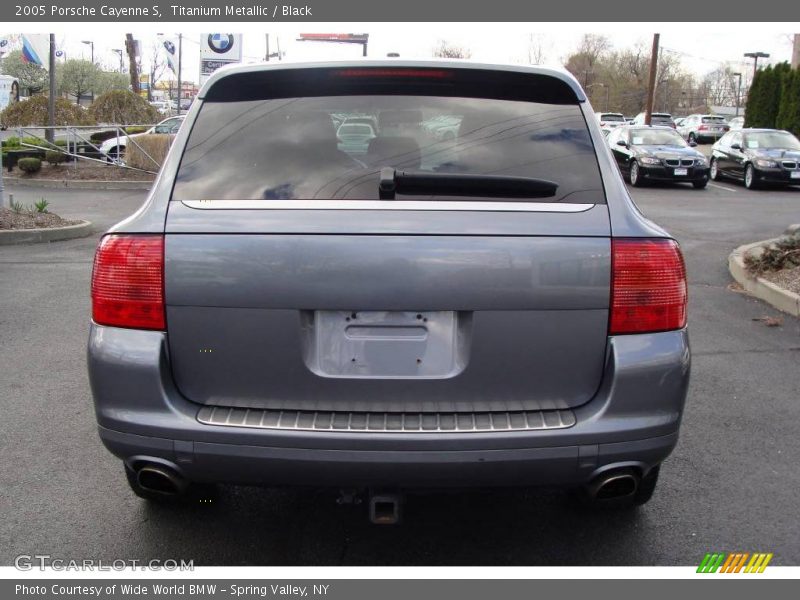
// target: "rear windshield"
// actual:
[[294, 147], [611, 117], [355, 129], [716, 120]]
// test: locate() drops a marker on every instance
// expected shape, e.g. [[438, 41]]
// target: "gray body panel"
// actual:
[[243, 282], [632, 420], [537, 309]]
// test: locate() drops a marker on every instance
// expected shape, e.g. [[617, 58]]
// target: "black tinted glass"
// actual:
[[333, 147]]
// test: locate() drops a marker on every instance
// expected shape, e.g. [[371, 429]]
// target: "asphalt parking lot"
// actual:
[[730, 485]]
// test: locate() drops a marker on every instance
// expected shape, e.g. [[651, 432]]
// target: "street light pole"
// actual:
[[755, 56], [91, 43], [738, 92], [180, 66], [51, 105], [118, 51]]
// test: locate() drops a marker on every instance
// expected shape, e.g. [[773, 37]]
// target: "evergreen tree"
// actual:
[[789, 113], [753, 109]]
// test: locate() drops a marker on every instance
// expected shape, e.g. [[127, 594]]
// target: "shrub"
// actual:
[[17, 207], [156, 145], [33, 113], [122, 107], [41, 205], [29, 165], [54, 157], [11, 142], [784, 253]]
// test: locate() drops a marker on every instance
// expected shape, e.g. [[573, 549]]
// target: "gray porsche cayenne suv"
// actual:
[[486, 310]]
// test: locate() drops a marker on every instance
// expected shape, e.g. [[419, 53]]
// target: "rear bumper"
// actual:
[[633, 420]]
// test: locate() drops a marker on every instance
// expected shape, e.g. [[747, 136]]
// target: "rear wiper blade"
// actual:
[[423, 183]]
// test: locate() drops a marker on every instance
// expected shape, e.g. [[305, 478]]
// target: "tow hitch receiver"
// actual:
[[384, 507]]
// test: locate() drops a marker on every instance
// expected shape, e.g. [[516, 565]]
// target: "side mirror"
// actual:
[[736, 147], [622, 143], [692, 144]]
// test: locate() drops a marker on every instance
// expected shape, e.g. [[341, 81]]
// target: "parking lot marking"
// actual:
[[722, 187]]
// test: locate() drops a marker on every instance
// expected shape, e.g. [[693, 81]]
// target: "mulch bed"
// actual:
[[31, 220], [788, 279]]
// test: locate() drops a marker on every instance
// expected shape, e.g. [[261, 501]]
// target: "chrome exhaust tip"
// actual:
[[161, 480], [616, 484]]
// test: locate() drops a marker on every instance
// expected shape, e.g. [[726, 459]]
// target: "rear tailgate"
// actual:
[[290, 285]]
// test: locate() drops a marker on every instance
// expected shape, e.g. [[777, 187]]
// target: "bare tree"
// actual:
[[719, 87], [536, 49], [584, 61], [157, 66], [446, 49]]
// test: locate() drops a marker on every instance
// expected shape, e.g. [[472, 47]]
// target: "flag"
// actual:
[[171, 49], [36, 49]]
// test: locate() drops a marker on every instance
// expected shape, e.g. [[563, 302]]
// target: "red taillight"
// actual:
[[648, 286], [128, 282], [702, 128]]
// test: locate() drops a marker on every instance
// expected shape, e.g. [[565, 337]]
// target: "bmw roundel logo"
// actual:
[[220, 42]]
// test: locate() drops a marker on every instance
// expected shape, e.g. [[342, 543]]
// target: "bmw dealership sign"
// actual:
[[218, 50]]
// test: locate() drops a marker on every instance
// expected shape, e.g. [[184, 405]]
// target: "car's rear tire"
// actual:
[[750, 178], [635, 175], [116, 153]]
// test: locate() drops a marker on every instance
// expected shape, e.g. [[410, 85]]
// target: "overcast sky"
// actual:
[[702, 47]]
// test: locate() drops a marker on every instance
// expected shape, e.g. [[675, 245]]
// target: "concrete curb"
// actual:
[[782, 299], [53, 234], [78, 184]]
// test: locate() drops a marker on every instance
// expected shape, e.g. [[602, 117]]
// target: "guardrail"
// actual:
[[80, 146]]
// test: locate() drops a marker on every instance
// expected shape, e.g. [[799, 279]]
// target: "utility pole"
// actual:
[[130, 47], [51, 106], [266, 58], [180, 66], [796, 52], [651, 86], [738, 92]]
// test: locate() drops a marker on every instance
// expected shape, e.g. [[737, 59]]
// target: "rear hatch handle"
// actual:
[[418, 183]]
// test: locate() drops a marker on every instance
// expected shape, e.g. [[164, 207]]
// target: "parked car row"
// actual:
[[757, 157]]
